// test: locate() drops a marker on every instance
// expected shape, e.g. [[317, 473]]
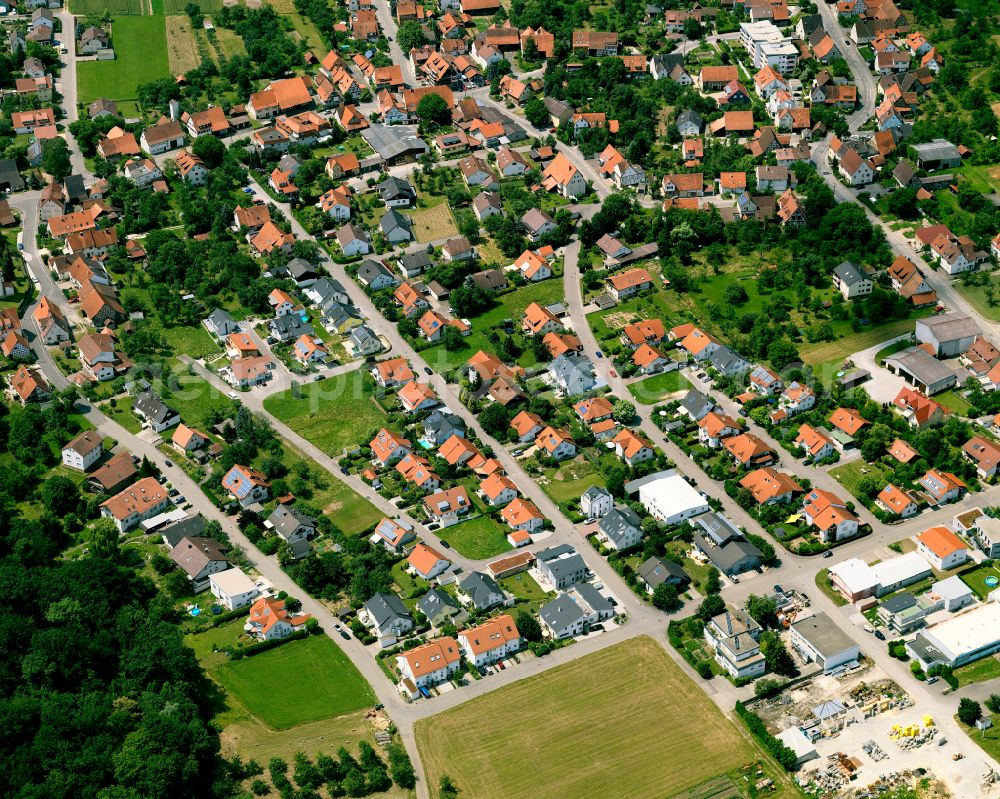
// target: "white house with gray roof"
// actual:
[[560, 566], [396, 227], [441, 608], [574, 611], [363, 341], [482, 592], [596, 502], [441, 425], [220, 324], [733, 636], [293, 527], [376, 275], [695, 405], [851, 280], [387, 615], [325, 292], [619, 529], [154, 412], [573, 374]]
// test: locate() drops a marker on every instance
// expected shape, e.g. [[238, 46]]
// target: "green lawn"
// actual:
[[122, 413], [826, 357], [976, 580], [523, 586], [195, 398], [410, 587], [954, 402], [652, 305], [850, 475], [332, 414], [140, 57], [655, 388], [477, 538], [509, 306], [297, 683], [571, 479], [193, 341], [823, 584], [96, 8], [987, 668], [979, 296], [987, 740]]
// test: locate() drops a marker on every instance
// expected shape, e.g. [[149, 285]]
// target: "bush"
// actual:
[[969, 711], [783, 754], [704, 669]]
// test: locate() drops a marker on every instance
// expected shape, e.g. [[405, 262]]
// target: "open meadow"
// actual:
[[325, 683], [563, 733], [141, 56], [333, 414]]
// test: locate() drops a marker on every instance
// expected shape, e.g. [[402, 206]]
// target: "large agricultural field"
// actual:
[[561, 733], [141, 56]]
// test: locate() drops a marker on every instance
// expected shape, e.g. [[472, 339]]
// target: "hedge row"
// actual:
[[783, 754]]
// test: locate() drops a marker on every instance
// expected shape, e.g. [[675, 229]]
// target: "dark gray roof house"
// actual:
[[372, 273], [293, 527], [654, 571], [185, 528], [289, 326], [562, 613], [220, 323], [388, 613], [340, 317], [439, 607], [690, 119], [849, 273], [393, 190], [10, 178], [491, 279], [558, 110], [396, 226], [151, 407], [301, 271], [482, 590], [621, 527], [416, 263], [727, 362], [76, 192], [440, 425], [325, 292], [696, 405]]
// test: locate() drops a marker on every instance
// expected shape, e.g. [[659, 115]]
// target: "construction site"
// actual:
[[860, 735]]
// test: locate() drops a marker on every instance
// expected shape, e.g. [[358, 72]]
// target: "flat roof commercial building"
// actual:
[[856, 580], [818, 639], [670, 498], [966, 637]]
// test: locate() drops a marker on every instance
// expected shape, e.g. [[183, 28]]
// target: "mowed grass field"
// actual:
[[560, 733], [434, 223], [141, 56], [332, 414], [297, 683]]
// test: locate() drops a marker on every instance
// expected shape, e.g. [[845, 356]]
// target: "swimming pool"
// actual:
[[423, 442]]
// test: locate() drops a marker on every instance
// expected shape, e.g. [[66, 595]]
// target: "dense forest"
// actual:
[[100, 696]]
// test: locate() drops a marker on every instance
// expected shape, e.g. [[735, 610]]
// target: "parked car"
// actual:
[[600, 354], [880, 635], [345, 635], [828, 553], [169, 462], [444, 543], [427, 370], [778, 589], [344, 471]]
